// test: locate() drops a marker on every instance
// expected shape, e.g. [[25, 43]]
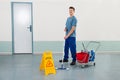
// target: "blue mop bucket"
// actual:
[[92, 56]]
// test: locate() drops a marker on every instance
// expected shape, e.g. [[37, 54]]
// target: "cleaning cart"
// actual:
[[87, 57]]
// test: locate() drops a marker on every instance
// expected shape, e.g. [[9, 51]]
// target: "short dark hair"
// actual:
[[71, 7]]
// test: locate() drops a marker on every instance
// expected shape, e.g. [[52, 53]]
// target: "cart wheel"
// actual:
[[82, 66], [94, 64]]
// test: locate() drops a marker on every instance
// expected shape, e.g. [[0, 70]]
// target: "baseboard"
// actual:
[[37, 53], [98, 52], [108, 52], [5, 53]]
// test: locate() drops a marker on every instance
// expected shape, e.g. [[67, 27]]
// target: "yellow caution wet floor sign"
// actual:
[[47, 63]]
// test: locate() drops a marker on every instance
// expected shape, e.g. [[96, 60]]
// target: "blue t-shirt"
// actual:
[[71, 21]]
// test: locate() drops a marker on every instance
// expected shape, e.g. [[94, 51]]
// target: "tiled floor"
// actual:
[[26, 67]]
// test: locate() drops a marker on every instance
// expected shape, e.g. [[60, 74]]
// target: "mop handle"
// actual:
[[63, 51]]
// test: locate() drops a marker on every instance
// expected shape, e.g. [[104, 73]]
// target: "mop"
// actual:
[[62, 67]]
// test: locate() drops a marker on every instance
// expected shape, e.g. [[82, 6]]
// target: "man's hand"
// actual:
[[65, 37], [65, 29], [71, 31]]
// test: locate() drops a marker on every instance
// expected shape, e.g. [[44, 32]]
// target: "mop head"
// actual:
[[62, 68]]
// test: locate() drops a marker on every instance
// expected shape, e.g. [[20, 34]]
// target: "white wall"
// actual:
[[97, 19], [5, 21]]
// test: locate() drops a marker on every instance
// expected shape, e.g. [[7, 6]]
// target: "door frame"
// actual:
[[12, 21]]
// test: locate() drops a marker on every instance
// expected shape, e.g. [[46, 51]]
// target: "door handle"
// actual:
[[30, 28]]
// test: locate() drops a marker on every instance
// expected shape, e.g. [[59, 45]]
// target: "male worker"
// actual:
[[70, 37]]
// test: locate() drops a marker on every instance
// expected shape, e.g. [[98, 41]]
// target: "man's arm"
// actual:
[[71, 31]]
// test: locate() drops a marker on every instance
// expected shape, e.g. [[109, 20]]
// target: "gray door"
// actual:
[[22, 25]]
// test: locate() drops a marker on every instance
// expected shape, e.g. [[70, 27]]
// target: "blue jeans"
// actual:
[[70, 43]]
